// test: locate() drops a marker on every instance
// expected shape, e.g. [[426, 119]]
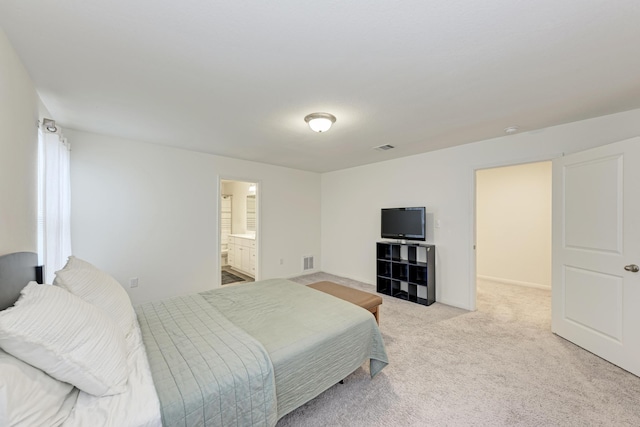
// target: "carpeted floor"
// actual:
[[498, 366]]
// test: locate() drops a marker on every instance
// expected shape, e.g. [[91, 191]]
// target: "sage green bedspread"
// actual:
[[206, 371], [314, 340], [246, 355]]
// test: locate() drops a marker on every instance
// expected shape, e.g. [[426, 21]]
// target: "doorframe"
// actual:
[[473, 294], [258, 182]]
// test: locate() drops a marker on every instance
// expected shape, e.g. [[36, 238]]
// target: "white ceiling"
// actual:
[[237, 77]]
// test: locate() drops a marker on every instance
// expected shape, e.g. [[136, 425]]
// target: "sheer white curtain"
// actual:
[[54, 202]]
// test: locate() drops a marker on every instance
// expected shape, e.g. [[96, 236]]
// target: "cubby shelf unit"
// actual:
[[406, 271]]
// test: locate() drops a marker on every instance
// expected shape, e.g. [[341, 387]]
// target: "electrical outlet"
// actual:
[[133, 282]]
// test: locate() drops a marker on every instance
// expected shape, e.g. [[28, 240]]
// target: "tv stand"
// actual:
[[406, 271]]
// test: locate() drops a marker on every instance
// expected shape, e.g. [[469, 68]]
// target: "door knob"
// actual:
[[632, 268]]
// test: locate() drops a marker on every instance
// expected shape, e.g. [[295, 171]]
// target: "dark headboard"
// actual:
[[16, 270]]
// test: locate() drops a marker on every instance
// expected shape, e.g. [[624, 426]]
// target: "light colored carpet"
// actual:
[[498, 366]]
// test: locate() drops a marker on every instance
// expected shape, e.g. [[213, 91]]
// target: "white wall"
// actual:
[[19, 105], [149, 211], [443, 181], [513, 224]]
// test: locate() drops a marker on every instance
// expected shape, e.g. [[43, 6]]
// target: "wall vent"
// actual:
[[384, 147], [307, 263]]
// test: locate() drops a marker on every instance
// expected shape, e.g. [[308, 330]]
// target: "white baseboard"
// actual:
[[514, 282]]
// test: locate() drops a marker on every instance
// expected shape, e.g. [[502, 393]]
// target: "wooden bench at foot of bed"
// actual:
[[363, 299]]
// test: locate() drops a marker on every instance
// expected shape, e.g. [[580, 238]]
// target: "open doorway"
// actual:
[[513, 240], [238, 215]]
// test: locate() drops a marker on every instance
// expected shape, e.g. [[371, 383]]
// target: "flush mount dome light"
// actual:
[[320, 122]]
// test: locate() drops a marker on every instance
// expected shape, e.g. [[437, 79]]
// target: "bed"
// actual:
[[241, 355]]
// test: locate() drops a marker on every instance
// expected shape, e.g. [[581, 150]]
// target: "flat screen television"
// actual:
[[403, 223]]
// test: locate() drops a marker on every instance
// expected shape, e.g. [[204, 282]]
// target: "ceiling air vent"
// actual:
[[384, 147]]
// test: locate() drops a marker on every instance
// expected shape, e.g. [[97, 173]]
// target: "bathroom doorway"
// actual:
[[238, 215]]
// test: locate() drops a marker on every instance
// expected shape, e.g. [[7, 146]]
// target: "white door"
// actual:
[[596, 244]]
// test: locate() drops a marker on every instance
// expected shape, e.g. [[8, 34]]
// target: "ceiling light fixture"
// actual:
[[50, 125], [511, 129], [320, 122]]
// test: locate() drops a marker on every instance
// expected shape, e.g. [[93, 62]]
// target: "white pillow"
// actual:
[[29, 397], [100, 289], [69, 339], [75, 262]]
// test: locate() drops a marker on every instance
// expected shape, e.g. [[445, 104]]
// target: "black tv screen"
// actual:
[[403, 223]]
